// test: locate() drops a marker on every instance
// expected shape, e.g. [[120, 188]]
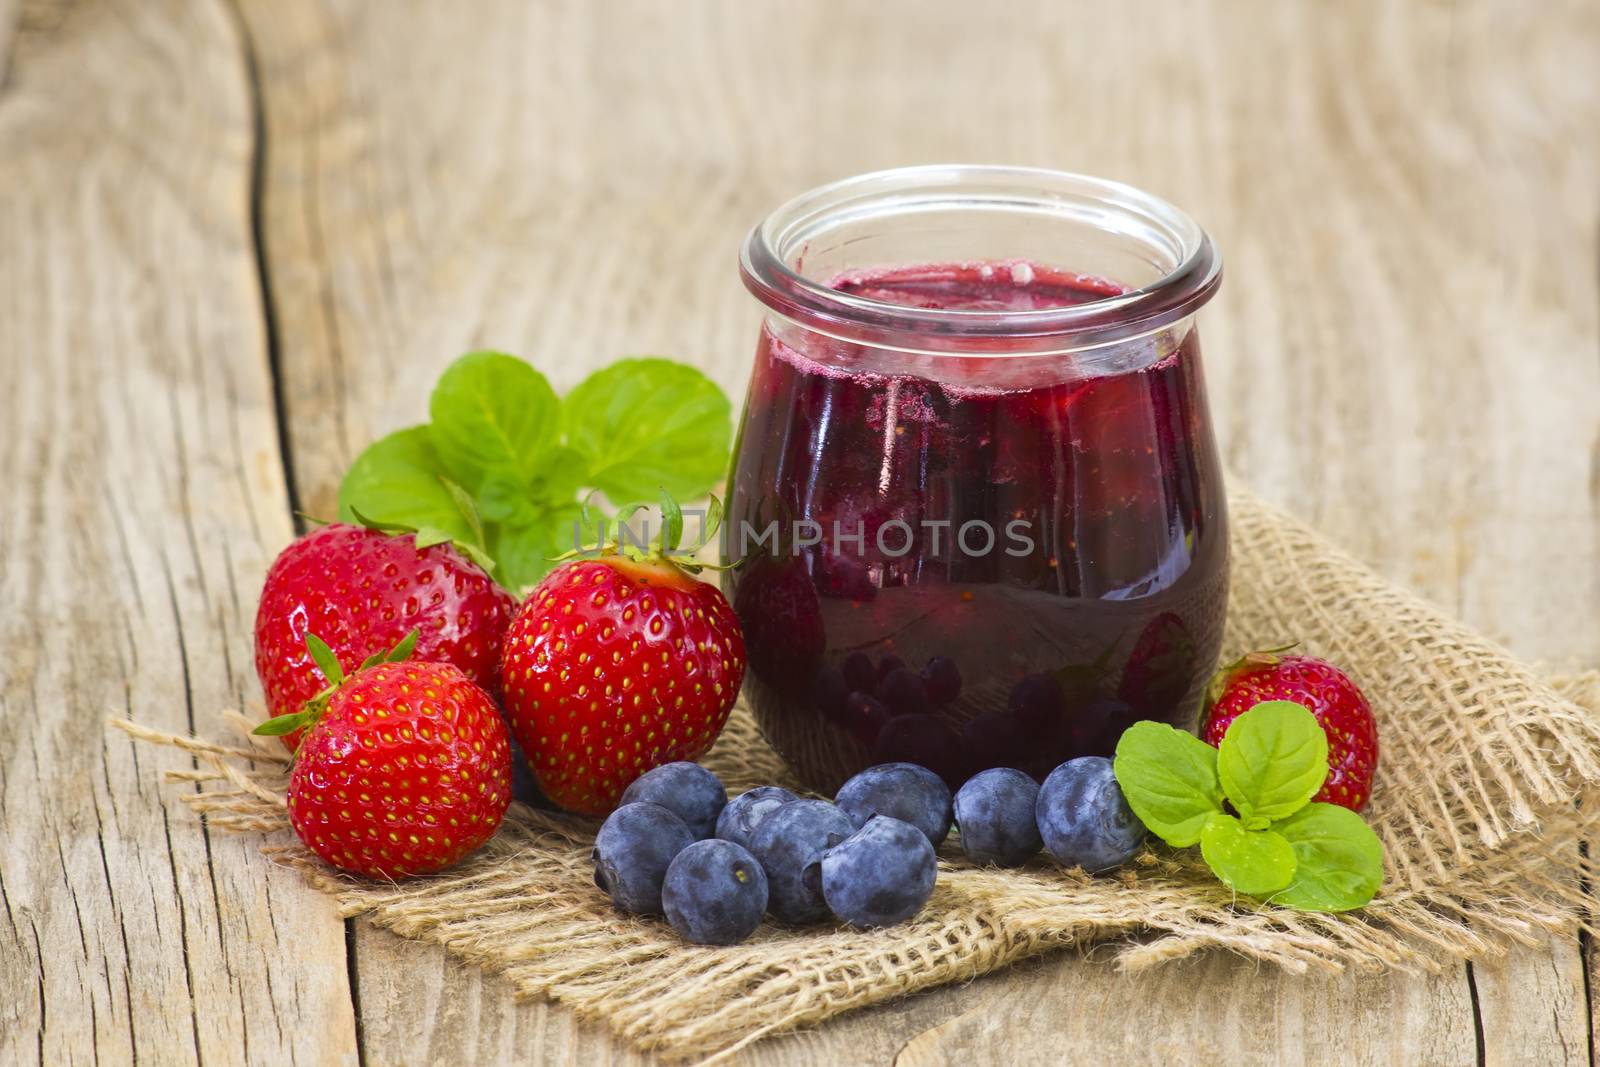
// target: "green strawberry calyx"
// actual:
[[328, 664], [428, 536], [666, 549], [1266, 657]]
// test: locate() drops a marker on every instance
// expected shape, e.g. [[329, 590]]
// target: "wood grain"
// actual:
[[145, 495], [575, 192], [1406, 351]]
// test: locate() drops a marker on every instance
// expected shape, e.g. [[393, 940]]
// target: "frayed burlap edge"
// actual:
[[1478, 802]]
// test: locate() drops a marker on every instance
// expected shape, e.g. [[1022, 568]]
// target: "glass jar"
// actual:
[[975, 501]]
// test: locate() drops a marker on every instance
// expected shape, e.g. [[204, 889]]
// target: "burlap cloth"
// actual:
[[1483, 765]]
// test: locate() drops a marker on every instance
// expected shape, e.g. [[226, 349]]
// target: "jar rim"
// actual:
[[1194, 274]]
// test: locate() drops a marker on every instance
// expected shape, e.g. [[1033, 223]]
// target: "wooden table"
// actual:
[[238, 240]]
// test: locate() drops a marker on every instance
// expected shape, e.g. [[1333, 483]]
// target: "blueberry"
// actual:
[[995, 739], [631, 854], [859, 673], [889, 664], [903, 693], [688, 789], [881, 876], [865, 716], [1084, 819], [829, 691], [1095, 727], [788, 844], [1037, 700], [901, 791], [923, 740], [524, 786], [995, 814], [715, 893], [941, 679], [744, 813]]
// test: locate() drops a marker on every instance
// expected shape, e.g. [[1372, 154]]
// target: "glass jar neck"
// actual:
[[1161, 262]]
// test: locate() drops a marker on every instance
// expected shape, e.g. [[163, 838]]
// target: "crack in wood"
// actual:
[[269, 313], [1477, 1015], [183, 935], [258, 240], [403, 220]]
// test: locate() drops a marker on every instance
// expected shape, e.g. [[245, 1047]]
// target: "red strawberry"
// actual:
[[1330, 695], [405, 770], [614, 666], [361, 590], [1160, 669]]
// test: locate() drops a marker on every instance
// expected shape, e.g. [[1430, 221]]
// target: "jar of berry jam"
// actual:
[[975, 505]]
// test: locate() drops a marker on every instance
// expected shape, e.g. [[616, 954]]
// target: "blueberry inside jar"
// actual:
[[975, 505]]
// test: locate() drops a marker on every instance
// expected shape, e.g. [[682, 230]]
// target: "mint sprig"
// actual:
[[1274, 765], [643, 427], [502, 465], [1279, 846], [493, 413], [1257, 862], [1338, 859]]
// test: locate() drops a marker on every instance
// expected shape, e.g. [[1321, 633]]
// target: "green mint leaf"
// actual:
[[394, 485], [504, 498], [1272, 761], [492, 412], [284, 724], [1258, 863], [1338, 859], [1169, 778], [645, 426], [562, 481], [324, 658], [526, 553]]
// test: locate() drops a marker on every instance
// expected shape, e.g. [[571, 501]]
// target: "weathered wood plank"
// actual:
[[420, 1005], [10, 13], [138, 445], [1199, 1012], [1403, 351]]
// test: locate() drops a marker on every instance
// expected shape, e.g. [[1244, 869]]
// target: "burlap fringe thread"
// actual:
[[1477, 801]]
